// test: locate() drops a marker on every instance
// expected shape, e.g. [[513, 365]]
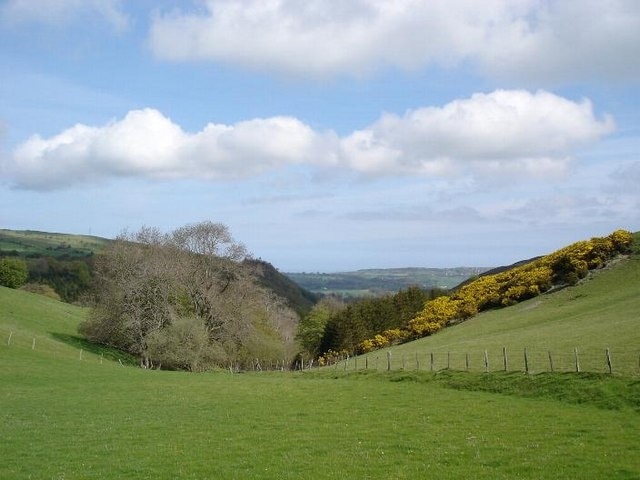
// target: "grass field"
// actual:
[[64, 417], [67, 419], [27, 242]]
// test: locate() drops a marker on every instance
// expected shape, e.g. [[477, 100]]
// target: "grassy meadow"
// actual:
[[28, 242], [67, 416]]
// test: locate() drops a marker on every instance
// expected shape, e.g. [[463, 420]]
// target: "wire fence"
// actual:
[[617, 361], [61, 346]]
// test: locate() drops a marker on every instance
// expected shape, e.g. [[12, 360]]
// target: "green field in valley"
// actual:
[[72, 415]]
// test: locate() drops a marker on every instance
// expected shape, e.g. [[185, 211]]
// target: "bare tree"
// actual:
[[157, 295]]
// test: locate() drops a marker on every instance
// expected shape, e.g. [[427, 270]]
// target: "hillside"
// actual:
[[372, 282], [601, 311], [300, 299], [29, 243], [64, 262]]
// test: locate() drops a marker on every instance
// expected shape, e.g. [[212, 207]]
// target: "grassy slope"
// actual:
[[49, 244], [601, 312]]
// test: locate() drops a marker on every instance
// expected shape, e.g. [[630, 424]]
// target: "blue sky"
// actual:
[[328, 135]]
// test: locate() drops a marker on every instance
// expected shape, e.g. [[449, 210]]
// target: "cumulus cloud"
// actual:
[[146, 143], [61, 12], [318, 38], [487, 132], [506, 131]]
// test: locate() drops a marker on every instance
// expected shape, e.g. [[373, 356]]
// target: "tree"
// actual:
[[312, 326], [159, 295], [13, 272]]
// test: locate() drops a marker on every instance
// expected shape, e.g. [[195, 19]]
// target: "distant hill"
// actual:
[[373, 282], [34, 244]]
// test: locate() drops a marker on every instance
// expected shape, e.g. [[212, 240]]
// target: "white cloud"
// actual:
[[506, 129], [504, 132], [61, 12], [146, 143], [554, 40]]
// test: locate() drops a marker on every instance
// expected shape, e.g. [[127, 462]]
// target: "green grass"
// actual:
[[73, 420], [38, 323], [28, 242]]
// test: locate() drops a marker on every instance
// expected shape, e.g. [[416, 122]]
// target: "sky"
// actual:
[[328, 135]]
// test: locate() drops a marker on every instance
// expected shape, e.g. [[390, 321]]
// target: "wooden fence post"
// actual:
[[355, 363], [526, 361], [366, 363], [80, 354], [550, 361], [448, 360], [575, 352], [466, 362], [432, 361], [609, 361], [33, 344], [388, 361], [486, 362], [504, 358], [417, 363]]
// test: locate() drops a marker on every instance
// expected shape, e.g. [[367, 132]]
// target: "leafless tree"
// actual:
[[159, 295]]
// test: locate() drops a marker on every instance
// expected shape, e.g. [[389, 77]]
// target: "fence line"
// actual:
[[527, 360]]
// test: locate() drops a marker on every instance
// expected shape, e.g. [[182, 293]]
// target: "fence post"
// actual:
[[33, 344], [388, 361], [417, 363], [366, 363], [550, 361], [448, 360], [402, 362], [101, 357], [355, 363], [504, 358], [80, 354], [9, 340], [486, 362], [466, 362], [575, 352], [526, 361], [431, 361], [609, 361]]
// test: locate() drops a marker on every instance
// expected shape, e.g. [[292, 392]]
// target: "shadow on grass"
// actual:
[[109, 353]]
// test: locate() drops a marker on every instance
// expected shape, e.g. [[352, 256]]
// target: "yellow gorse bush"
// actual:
[[563, 266]]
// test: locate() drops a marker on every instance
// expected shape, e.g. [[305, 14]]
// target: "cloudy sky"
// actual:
[[328, 135]]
